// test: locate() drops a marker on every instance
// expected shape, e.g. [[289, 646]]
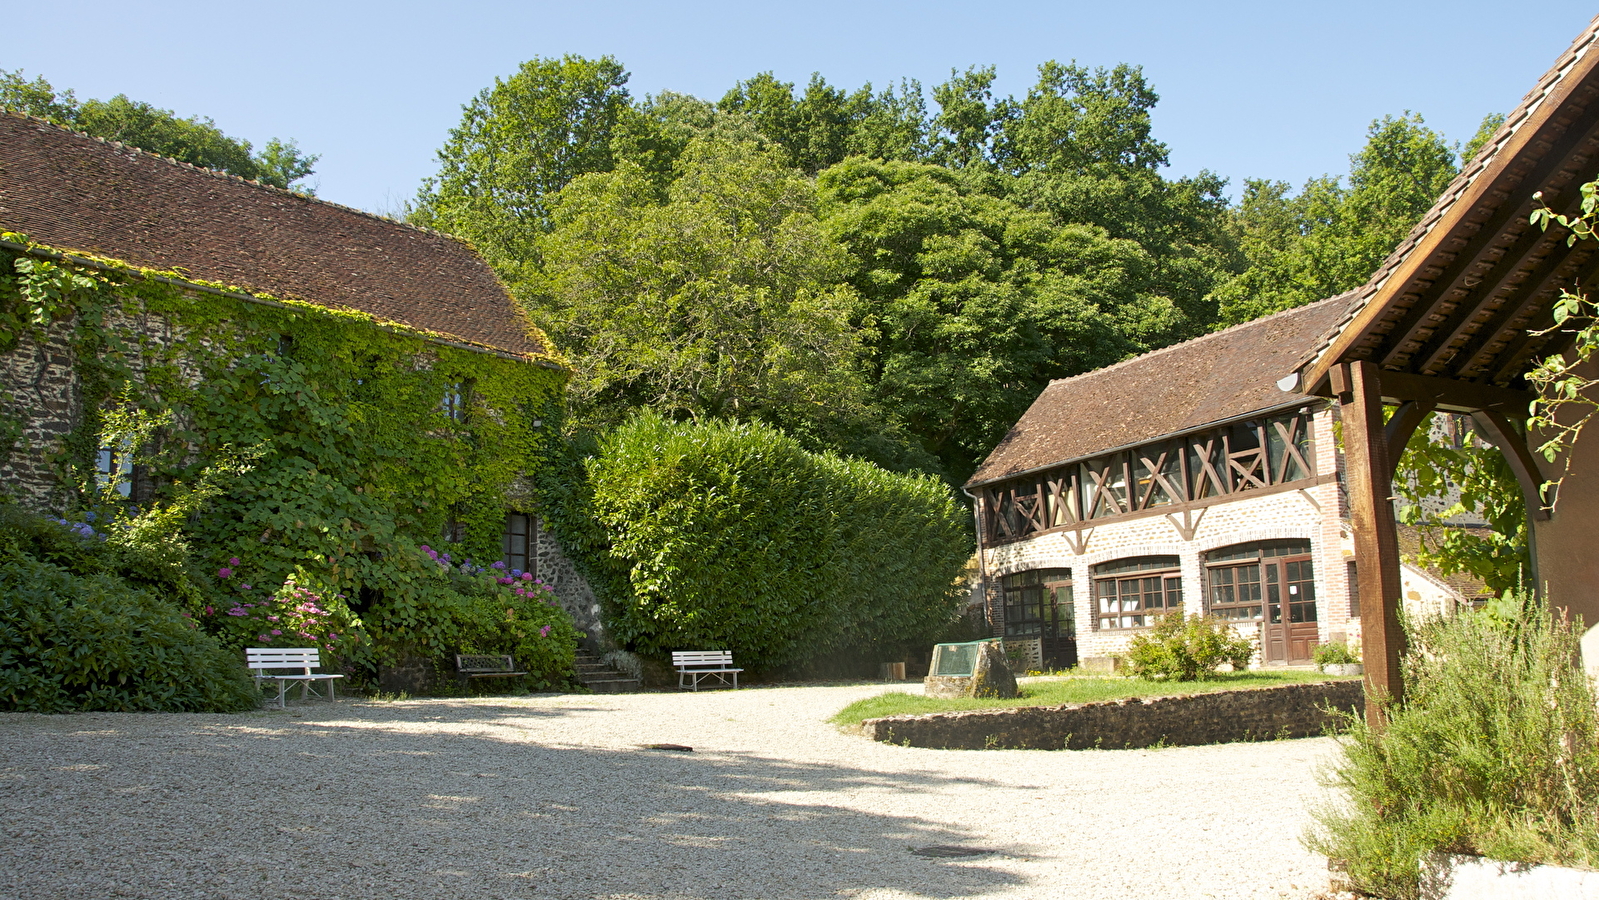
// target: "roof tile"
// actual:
[[1181, 388], [72, 192]]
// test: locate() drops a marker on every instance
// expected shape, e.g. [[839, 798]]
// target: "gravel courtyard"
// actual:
[[552, 796]]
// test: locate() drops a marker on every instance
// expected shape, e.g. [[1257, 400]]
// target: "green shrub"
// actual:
[[1334, 653], [1494, 751], [436, 606], [735, 538], [90, 642], [96, 543], [300, 613], [1187, 648]]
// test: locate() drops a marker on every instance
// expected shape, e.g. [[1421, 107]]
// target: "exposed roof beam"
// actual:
[[1479, 249]]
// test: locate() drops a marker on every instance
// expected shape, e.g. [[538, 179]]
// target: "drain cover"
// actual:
[[948, 852], [678, 747]]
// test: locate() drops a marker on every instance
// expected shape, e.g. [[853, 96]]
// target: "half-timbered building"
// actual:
[[1185, 479]]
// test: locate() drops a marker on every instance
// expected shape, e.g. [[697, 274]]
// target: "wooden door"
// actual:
[[1289, 632]]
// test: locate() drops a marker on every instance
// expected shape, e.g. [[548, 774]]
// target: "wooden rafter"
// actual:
[[1486, 250]]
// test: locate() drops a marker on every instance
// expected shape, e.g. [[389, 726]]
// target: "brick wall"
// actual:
[[1259, 714], [1317, 514]]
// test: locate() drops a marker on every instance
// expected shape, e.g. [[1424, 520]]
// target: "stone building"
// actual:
[[198, 261], [1189, 478]]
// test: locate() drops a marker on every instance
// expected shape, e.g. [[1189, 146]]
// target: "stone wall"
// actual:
[[1257, 714], [572, 591], [39, 387]]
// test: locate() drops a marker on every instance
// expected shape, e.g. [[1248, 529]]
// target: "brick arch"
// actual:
[[1047, 562], [1256, 535], [1175, 548]]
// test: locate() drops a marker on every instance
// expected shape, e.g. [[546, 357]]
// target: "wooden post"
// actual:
[[1369, 475]]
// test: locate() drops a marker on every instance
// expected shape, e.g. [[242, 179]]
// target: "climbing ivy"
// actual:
[[291, 437]]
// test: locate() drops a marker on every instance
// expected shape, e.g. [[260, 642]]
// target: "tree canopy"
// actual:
[[890, 272], [1330, 237]]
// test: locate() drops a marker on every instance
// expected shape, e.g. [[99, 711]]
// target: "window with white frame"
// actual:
[[1246, 582], [1132, 593]]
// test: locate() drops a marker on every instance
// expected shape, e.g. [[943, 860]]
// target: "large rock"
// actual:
[[991, 677]]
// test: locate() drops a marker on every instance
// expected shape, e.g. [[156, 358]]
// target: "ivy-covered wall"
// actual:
[[293, 438]]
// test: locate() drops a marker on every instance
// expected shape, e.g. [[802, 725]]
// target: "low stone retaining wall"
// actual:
[[1255, 714]]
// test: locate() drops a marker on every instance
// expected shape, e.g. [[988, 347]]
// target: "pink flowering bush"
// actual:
[[297, 614], [457, 606]]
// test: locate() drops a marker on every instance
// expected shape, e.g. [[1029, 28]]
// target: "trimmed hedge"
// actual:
[[732, 537]]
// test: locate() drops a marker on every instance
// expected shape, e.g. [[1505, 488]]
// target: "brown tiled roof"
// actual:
[[80, 194], [1181, 388]]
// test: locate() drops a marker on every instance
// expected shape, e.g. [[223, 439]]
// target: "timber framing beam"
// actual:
[[1448, 394], [1371, 510]]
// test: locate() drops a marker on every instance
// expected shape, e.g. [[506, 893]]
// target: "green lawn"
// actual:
[[1070, 689]]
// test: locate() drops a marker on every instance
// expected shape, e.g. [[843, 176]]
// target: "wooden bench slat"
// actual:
[[693, 665], [262, 659]]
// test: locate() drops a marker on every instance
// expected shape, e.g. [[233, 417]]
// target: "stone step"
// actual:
[[600, 678], [612, 685]]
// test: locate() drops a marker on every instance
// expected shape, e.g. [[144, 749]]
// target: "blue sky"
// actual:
[[1248, 89]]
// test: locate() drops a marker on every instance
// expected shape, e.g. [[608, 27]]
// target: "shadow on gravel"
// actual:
[[326, 806]]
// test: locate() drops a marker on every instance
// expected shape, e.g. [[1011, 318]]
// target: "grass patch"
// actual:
[[1070, 689]]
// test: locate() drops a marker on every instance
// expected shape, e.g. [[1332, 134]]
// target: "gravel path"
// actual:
[[551, 796]]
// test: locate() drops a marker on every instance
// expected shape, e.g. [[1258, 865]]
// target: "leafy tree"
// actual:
[[718, 296], [825, 124], [1330, 238], [972, 302], [1452, 460], [1080, 147], [195, 140], [968, 129], [519, 142], [37, 98]]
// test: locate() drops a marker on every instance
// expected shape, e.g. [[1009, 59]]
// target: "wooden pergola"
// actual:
[[1453, 320]]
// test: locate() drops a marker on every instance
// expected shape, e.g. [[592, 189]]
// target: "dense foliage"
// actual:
[[1331, 237], [92, 624], [893, 274], [1494, 751], [732, 537], [1187, 648], [1446, 458], [195, 140], [301, 461]]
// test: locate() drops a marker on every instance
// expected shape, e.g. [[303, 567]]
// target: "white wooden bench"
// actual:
[[475, 665], [266, 659], [693, 665]]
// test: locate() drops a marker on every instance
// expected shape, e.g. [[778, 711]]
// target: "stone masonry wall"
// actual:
[[572, 591], [39, 386], [1259, 714]]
